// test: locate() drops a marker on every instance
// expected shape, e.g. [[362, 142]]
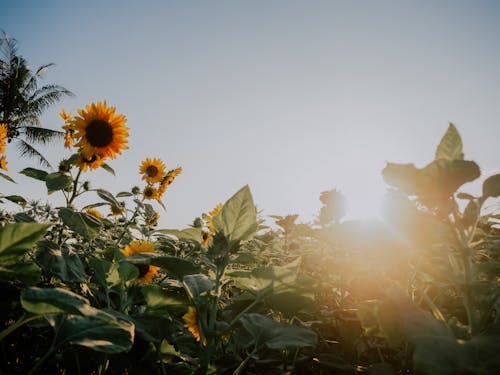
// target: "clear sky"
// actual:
[[290, 97]]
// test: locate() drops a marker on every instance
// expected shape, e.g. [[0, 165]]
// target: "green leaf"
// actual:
[[55, 301], [127, 271], [28, 273], [17, 239], [450, 147], [188, 234], [57, 181], [238, 217], [161, 301], [81, 223], [7, 177], [107, 168], [108, 197], [197, 286], [491, 186], [108, 335], [23, 217], [123, 194], [268, 333], [37, 174], [61, 262], [16, 199]]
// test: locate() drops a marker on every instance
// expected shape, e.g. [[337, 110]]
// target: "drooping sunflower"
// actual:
[[3, 137], [191, 319], [153, 170], [168, 179], [150, 192], [100, 131], [89, 163], [68, 128], [94, 212], [146, 271], [209, 217], [152, 219], [116, 210], [3, 163]]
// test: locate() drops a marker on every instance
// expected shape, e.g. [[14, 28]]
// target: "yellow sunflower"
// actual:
[[191, 319], [209, 217], [168, 179], [94, 212], [3, 137], [153, 170], [100, 131], [146, 271], [3, 163], [150, 192], [89, 163]]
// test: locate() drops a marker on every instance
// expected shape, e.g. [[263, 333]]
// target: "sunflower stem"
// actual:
[[74, 192]]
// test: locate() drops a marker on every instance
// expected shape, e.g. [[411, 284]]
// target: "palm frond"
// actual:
[[25, 149], [35, 134]]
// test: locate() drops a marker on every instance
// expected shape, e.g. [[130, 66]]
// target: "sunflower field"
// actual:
[[101, 289]]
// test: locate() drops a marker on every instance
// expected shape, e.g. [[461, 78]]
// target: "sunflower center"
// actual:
[[143, 269], [151, 171], [148, 192], [99, 133]]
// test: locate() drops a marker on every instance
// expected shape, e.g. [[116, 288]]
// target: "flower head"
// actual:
[[146, 271], [116, 210], [94, 212], [100, 131], [153, 170], [191, 319], [168, 179], [3, 136], [150, 192], [152, 219], [3, 163], [210, 216], [89, 163], [68, 128]]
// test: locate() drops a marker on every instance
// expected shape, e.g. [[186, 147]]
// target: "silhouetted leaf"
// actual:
[[450, 147]]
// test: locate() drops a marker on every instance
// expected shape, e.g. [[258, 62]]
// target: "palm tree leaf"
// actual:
[[25, 149], [41, 135]]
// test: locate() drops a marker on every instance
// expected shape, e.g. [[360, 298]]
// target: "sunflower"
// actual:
[[3, 163], [94, 212], [68, 128], [168, 179], [146, 271], [153, 170], [3, 136], [152, 219], [116, 210], [100, 131], [209, 217], [90, 163], [150, 192], [206, 236], [191, 319]]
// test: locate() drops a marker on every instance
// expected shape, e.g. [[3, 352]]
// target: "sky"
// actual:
[[290, 97]]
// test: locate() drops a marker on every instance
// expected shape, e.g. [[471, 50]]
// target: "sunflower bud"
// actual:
[[136, 190], [86, 185]]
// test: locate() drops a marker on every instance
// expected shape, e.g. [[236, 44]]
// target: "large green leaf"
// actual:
[[268, 333], [108, 197], [450, 147], [197, 285], [37, 174], [238, 217], [434, 183], [57, 181], [55, 301], [15, 241], [491, 186], [188, 234], [61, 262], [175, 266], [81, 223], [109, 335]]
